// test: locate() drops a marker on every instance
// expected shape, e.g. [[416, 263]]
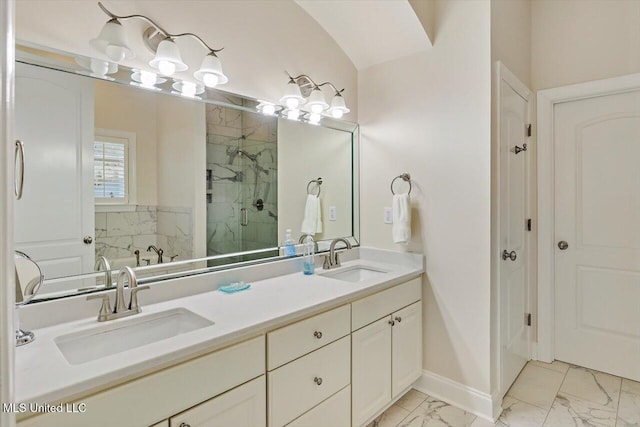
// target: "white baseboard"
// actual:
[[459, 395]]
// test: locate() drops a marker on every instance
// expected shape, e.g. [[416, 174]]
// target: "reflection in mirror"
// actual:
[[29, 279], [118, 175]]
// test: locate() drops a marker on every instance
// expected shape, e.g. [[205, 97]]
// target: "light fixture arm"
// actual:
[[338, 92], [158, 27], [312, 83]]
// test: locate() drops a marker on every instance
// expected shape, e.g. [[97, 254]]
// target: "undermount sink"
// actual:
[[356, 273], [106, 340]]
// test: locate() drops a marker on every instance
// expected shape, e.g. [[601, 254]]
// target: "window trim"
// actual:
[[117, 136]]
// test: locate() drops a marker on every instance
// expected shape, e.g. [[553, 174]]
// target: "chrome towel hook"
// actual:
[[405, 177], [318, 182]]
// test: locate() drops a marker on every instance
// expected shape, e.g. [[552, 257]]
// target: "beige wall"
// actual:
[[576, 41], [182, 156], [306, 152], [137, 115], [510, 44], [261, 39], [429, 115]]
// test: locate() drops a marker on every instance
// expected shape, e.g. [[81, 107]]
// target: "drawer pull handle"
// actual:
[[317, 380], [398, 319], [184, 425], [317, 334], [391, 322]]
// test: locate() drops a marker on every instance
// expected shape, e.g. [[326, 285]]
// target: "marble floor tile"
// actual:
[[556, 365], [391, 417], [572, 411], [592, 386], [520, 414], [629, 410], [630, 386], [536, 386], [481, 422], [434, 413], [411, 400]]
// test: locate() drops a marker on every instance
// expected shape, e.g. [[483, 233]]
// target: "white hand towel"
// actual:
[[312, 221], [401, 219]]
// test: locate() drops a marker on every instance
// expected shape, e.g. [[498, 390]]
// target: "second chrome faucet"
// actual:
[[120, 309]]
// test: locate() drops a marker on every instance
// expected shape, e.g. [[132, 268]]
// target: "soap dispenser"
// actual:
[[308, 256], [289, 244]]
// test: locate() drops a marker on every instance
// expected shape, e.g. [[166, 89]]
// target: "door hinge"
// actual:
[[529, 129], [529, 224], [527, 319]]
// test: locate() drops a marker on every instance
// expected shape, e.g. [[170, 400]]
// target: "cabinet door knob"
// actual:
[[317, 380], [184, 425], [398, 319], [391, 322], [317, 334]]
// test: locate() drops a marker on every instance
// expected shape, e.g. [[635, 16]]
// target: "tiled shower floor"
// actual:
[[553, 395]]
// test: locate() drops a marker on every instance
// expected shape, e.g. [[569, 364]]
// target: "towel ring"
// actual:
[[316, 181], [405, 177]]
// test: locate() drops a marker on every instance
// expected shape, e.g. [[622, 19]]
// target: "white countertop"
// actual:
[[43, 375]]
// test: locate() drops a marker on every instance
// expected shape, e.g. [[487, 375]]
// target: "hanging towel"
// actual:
[[312, 221], [401, 219]]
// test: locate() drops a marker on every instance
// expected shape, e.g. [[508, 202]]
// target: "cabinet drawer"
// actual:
[[165, 393], [376, 306], [334, 412], [243, 406], [293, 341], [293, 389]]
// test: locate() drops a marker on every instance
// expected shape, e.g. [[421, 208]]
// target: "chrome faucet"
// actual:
[[332, 260], [158, 252], [104, 263], [119, 308]]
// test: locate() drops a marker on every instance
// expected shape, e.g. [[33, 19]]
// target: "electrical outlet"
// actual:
[[333, 213], [388, 215]]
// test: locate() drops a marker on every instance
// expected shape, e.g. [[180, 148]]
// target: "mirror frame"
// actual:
[[51, 58]]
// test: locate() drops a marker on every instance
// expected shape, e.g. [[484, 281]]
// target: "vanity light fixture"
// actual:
[[112, 41], [302, 90], [268, 108], [147, 79], [188, 89], [291, 114], [97, 67]]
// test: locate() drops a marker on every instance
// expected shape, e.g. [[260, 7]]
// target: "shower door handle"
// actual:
[[244, 217]]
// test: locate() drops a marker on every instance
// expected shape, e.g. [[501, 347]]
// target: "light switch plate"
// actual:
[[388, 215], [333, 214]]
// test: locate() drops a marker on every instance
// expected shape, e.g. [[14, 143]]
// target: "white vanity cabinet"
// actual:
[[309, 366], [387, 352], [244, 406]]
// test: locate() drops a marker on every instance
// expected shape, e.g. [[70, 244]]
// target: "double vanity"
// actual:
[[334, 349]]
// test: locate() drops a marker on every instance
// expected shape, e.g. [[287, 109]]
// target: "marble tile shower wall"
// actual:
[[241, 168], [119, 234]]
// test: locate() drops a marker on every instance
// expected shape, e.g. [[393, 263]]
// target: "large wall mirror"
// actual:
[[117, 174]]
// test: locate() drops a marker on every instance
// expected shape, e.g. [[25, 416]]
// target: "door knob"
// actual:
[[509, 255], [87, 240], [563, 245]]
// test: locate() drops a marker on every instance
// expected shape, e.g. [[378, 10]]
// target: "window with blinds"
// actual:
[[110, 182]]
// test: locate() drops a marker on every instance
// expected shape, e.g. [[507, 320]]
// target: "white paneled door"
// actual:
[[514, 290], [54, 120], [597, 231]]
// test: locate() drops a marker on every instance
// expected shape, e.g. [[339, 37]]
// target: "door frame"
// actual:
[[503, 74], [546, 101]]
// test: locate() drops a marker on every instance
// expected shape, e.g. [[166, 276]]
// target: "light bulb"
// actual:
[[148, 78], [337, 114], [115, 53], [293, 114], [269, 109], [314, 118], [292, 103], [189, 89], [317, 108], [210, 80], [167, 68], [98, 67]]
